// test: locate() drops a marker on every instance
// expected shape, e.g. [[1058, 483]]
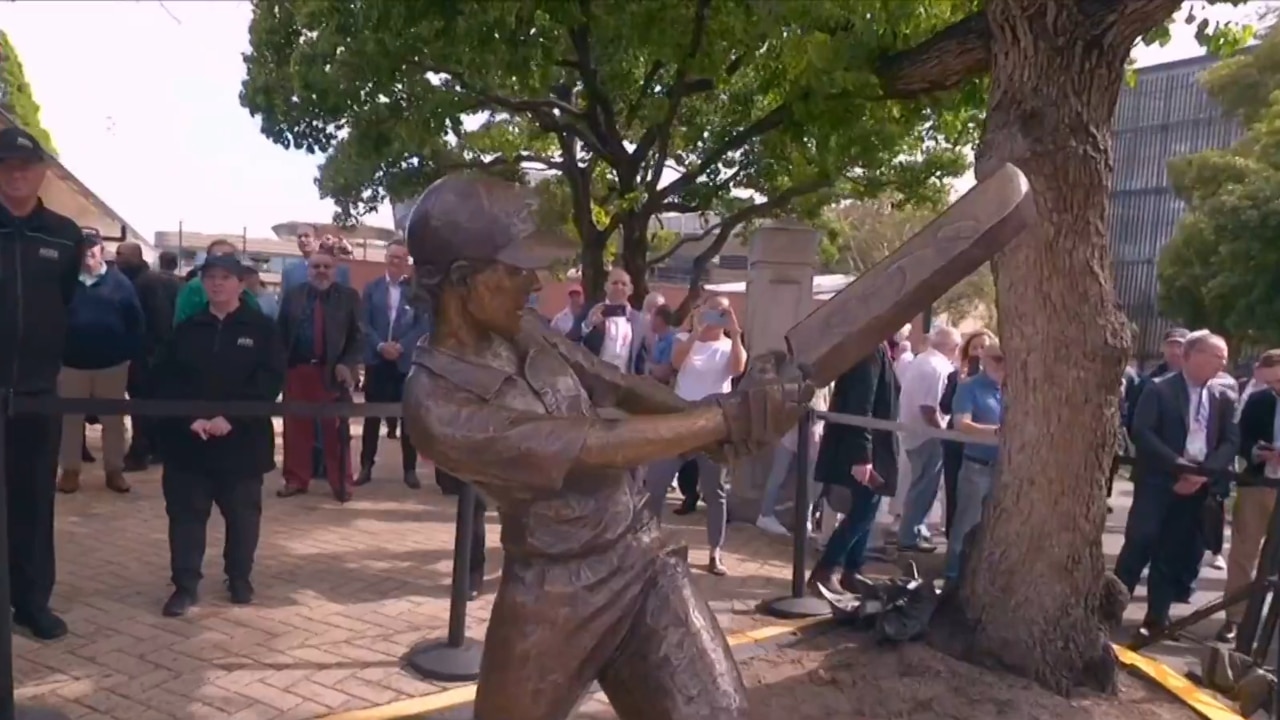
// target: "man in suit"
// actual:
[[320, 327], [613, 330], [295, 272], [391, 330], [1259, 438], [857, 465], [1185, 441]]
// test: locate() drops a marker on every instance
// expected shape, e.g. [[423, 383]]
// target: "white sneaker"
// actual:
[[1219, 563], [771, 525]]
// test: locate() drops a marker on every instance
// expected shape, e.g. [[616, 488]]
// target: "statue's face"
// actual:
[[497, 296]]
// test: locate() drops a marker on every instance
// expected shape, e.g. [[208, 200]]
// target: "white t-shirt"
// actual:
[[922, 384], [705, 370]]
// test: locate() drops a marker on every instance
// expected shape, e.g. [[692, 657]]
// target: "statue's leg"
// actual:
[[549, 637], [674, 663]]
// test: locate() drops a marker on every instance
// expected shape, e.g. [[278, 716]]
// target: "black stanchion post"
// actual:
[[9, 710], [457, 659], [799, 604]]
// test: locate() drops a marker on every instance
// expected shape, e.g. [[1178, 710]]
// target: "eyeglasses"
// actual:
[[321, 266]]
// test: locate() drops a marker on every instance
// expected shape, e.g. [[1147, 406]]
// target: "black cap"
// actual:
[[227, 262], [1176, 335], [18, 144], [482, 218]]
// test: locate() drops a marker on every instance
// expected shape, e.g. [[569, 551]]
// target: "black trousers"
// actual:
[[188, 501], [687, 481], [451, 485], [1162, 533], [383, 382], [143, 444], [952, 459], [31, 466]]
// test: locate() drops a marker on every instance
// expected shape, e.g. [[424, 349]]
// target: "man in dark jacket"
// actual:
[[320, 328], [104, 335], [858, 465], [228, 351], [158, 295], [40, 255]]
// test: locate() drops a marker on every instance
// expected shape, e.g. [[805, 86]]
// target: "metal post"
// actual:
[[8, 708], [799, 604], [457, 659], [244, 239]]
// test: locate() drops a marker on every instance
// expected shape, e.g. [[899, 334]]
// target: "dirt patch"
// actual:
[[844, 674]]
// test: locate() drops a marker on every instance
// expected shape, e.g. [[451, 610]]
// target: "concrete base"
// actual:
[[796, 608], [30, 712]]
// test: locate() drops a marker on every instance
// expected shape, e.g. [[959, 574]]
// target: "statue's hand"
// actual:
[[766, 405]]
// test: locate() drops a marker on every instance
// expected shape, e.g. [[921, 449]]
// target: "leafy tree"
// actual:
[[859, 234], [745, 110], [1222, 268], [1032, 593], [15, 94]]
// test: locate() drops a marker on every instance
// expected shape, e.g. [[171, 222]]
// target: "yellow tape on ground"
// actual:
[[463, 694], [1196, 698]]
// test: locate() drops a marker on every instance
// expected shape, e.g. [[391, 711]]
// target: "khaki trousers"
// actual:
[[1250, 515], [107, 384]]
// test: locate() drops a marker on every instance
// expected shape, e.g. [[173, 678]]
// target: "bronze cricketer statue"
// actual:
[[589, 589]]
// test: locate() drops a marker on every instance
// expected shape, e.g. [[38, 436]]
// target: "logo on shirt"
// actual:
[[49, 253], [244, 342]]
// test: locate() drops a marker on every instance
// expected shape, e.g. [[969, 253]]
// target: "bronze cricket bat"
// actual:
[[849, 326]]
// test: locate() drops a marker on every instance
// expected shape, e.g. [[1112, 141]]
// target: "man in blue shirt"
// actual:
[[977, 410]]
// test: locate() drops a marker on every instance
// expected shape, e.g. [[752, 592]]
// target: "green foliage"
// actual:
[[856, 235], [1222, 268], [15, 94], [747, 110]]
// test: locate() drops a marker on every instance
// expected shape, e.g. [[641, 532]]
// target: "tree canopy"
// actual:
[[1222, 267], [632, 109], [15, 94]]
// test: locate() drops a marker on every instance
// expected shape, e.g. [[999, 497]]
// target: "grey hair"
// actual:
[[944, 333], [1199, 339]]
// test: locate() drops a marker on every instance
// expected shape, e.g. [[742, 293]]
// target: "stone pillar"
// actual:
[[781, 260]]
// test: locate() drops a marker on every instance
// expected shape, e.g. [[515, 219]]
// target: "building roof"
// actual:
[[63, 192]]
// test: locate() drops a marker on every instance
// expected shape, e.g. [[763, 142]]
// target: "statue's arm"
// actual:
[[609, 387], [482, 442]]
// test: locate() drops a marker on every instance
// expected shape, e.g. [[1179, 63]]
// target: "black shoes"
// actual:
[[178, 603], [42, 624], [241, 591], [411, 480], [687, 507], [181, 601], [365, 477], [289, 491]]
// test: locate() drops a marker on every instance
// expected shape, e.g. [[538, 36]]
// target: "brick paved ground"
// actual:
[[343, 592]]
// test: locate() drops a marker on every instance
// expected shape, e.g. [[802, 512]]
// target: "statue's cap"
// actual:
[[482, 218]]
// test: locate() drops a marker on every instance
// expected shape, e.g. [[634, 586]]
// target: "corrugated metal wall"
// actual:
[[1165, 115]]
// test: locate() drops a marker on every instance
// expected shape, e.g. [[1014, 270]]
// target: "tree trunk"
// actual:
[[1030, 597], [634, 256], [593, 270]]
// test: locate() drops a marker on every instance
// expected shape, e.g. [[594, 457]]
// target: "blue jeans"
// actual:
[[925, 460], [847, 547], [784, 463], [973, 487]]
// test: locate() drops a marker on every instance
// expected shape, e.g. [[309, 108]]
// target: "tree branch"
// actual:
[[946, 60], [729, 223], [660, 134], [604, 121], [766, 123]]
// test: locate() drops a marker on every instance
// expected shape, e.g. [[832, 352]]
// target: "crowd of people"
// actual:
[[76, 323]]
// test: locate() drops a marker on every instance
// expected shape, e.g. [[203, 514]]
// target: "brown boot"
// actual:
[[69, 481], [116, 482]]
